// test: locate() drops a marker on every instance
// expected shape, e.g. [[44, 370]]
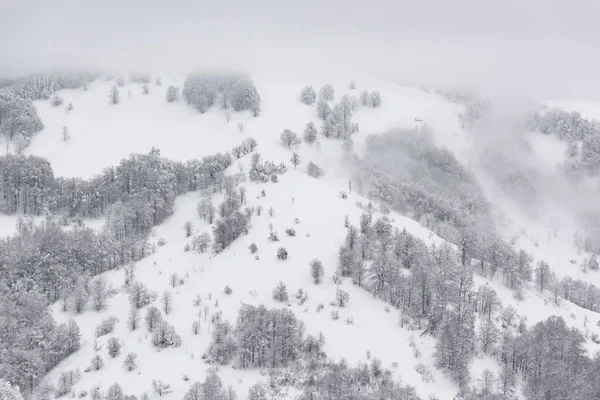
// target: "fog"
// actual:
[[535, 48]]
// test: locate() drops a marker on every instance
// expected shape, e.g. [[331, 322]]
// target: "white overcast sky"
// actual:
[[550, 48]]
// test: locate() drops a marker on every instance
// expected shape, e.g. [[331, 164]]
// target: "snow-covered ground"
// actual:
[[102, 134]]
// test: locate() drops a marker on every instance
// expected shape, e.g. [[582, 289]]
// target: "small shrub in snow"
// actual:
[[425, 373], [352, 85], [335, 315], [282, 253], [227, 290], [161, 388], [196, 327], [271, 211], [341, 298], [130, 362], [161, 242], [320, 306], [56, 100], [273, 237], [97, 363], [253, 248], [145, 89], [301, 296], [113, 346], [106, 326], [280, 292], [290, 232], [349, 321]]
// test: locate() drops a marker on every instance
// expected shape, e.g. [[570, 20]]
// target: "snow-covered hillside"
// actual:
[[102, 134]]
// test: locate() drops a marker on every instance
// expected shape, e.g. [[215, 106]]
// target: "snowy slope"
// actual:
[[102, 134]]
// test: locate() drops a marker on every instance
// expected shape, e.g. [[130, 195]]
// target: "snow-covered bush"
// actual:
[[106, 326]]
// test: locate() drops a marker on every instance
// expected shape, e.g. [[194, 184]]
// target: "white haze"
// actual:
[[512, 52], [510, 48]]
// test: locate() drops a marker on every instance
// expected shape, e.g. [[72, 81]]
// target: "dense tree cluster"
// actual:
[[232, 222], [429, 285], [18, 117], [30, 341], [202, 91], [583, 135], [261, 338], [263, 171], [141, 189], [45, 263], [405, 171], [338, 121], [551, 359]]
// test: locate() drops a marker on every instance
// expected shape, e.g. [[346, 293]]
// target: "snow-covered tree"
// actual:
[[375, 99], [98, 293], [327, 92], [166, 300], [65, 133], [56, 100], [172, 94], [8, 392], [282, 253], [130, 362], [145, 88], [289, 139], [295, 160], [113, 346], [161, 388], [314, 170], [114, 95], [114, 392], [280, 292], [310, 133], [323, 109], [188, 228], [308, 95], [153, 318], [316, 271]]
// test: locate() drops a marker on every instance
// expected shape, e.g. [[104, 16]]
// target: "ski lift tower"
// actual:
[[418, 124]]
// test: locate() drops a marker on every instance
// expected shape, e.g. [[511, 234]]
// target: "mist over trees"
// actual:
[[202, 91], [19, 120]]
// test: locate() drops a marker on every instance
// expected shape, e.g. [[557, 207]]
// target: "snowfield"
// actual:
[[102, 134]]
